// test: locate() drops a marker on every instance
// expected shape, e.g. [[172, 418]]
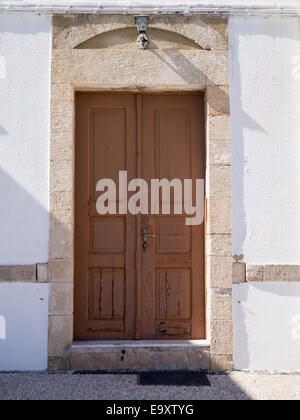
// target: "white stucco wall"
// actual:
[[265, 108], [24, 312], [267, 327], [25, 58]]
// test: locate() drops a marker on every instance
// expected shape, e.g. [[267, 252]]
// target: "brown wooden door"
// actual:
[[105, 246], [121, 291]]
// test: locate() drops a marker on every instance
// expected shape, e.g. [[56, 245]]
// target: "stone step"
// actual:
[[138, 356]]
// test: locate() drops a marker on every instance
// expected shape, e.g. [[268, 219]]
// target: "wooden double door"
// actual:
[[137, 277]]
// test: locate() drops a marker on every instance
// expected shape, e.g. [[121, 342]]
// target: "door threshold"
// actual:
[[203, 344], [140, 356]]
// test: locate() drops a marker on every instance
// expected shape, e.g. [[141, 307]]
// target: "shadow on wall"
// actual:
[[186, 70], [24, 305], [189, 73], [24, 25], [23, 224], [3, 132]]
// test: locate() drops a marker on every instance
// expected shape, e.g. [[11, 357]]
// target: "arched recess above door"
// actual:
[[125, 39]]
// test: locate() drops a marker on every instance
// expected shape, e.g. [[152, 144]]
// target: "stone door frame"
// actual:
[[173, 70]]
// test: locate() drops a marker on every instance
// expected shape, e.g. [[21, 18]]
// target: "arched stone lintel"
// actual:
[[206, 31], [125, 39]]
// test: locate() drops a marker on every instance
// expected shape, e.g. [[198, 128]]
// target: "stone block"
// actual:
[[219, 272], [218, 100], [254, 273], [219, 220], [26, 273], [61, 241], [221, 337], [61, 299], [221, 363], [221, 306], [60, 335], [61, 271], [239, 272], [219, 153], [219, 127], [219, 245], [42, 273]]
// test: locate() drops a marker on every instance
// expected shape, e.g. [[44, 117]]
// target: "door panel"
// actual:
[[171, 142], [105, 246], [173, 237], [122, 292], [172, 290], [106, 294]]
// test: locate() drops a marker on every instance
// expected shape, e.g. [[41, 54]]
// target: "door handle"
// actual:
[[145, 236]]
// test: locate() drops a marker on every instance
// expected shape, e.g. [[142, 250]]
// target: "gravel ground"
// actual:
[[67, 386]]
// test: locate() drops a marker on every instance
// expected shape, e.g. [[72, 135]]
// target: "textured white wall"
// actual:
[[24, 307], [25, 57], [265, 108], [267, 327]]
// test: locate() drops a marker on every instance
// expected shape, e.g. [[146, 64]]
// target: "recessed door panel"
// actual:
[[105, 246]]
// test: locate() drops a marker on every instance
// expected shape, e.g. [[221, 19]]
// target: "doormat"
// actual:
[[173, 379]]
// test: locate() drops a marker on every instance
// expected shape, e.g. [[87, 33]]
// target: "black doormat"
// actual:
[[173, 378]]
